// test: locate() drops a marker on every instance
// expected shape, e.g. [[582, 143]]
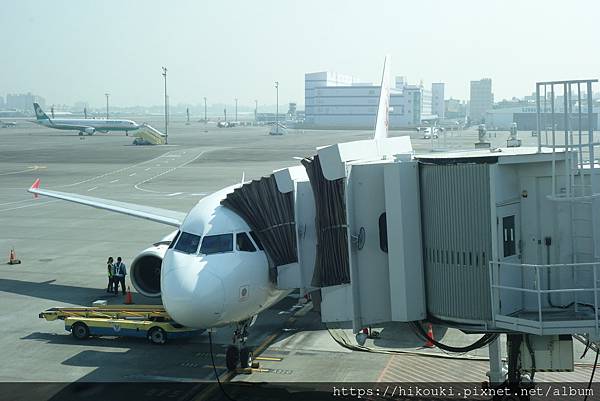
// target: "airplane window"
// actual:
[[216, 244], [172, 244], [188, 243], [243, 243], [256, 241]]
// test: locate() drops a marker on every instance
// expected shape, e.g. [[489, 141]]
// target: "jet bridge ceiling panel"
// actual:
[[270, 214], [332, 265], [457, 238]]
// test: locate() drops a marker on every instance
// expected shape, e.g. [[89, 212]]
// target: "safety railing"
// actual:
[[521, 296]]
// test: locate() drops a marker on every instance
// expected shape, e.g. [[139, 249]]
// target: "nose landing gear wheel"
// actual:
[[246, 356], [232, 357], [158, 336]]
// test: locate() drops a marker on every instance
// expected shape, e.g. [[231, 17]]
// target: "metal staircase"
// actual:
[[563, 297]]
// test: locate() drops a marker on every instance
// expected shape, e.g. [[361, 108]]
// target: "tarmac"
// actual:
[[63, 248]]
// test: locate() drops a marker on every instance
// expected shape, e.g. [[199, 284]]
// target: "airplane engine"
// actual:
[[90, 130], [145, 268]]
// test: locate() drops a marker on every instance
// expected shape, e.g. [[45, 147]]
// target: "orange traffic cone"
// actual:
[[128, 297], [12, 257], [429, 343]]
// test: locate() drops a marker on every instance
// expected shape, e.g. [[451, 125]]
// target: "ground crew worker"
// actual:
[[119, 275], [110, 267]]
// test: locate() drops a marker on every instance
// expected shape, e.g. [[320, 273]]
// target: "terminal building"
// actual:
[[524, 114], [337, 101]]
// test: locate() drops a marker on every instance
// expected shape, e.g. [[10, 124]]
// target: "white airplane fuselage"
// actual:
[[95, 124], [212, 290]]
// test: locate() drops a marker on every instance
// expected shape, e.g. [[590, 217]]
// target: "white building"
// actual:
[[438, 106], [481, 99], [341, 101], [23, 101]]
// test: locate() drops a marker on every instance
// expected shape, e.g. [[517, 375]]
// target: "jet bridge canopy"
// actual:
[[270, 214]]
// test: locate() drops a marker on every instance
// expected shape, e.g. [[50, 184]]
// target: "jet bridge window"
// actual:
[[187, 243], [212, 244], [383, 237], [508, 234], [243, 243]]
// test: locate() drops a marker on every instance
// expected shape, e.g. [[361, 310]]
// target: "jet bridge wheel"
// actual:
[[232, 357], [157, 335], [246, 357], [80, 331]]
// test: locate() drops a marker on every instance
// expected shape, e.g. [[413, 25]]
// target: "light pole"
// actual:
[[255, 109], [205, 120], [277, 107], [107, 95], [236, 109], [164, 74]]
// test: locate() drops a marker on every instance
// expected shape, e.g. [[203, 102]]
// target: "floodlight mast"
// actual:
[[164, 74]]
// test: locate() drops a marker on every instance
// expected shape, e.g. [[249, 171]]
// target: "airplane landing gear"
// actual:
[[235, 355], [80, 133]]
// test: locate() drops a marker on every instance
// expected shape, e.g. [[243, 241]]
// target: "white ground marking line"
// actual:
[[137, 186], [30, 205], [174, 194], [92, 188], [29, 169], [111, 172], [113, 181], [132, 174], [200, 194], [147, 169], [19, 201]]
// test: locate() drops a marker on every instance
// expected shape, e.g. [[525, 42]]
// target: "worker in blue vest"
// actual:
[[119, 275]]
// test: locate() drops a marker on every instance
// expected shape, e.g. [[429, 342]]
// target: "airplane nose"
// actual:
[[192, 295]]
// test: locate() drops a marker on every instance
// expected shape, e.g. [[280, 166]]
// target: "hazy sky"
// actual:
[[69, 51]]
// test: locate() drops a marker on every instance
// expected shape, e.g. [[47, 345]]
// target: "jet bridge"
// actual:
[[486, 240]]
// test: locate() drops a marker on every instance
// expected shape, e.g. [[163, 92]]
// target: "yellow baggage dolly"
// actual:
[[150, 321]]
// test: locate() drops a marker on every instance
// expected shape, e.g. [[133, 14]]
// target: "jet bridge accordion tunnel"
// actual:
[[270, 214]]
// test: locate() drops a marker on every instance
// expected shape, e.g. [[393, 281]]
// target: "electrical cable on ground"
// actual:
[[592, 375], [212, 358], [486, 339]]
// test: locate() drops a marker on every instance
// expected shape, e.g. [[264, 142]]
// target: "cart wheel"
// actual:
[[246, 357], [80, 331], [157, 336]]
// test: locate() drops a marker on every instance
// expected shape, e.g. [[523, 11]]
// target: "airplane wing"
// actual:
[[164, 216]]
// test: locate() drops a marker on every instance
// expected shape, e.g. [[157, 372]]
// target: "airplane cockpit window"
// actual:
[[243, 243], [187, 243], [212, 244], [172, 244], [256, 241]]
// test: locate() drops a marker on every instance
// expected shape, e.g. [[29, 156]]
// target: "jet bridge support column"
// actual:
[[496, 374]]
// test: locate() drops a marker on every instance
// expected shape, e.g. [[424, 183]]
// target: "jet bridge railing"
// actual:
[[545, 299]]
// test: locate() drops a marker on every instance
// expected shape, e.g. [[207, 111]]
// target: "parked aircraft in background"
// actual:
[[84, 126]]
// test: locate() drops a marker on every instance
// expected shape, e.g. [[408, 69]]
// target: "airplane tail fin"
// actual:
[[382, 121], [39, 113]]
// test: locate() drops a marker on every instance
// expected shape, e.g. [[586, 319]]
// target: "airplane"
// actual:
[[84, 126], [7, 124], [212, 271]]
